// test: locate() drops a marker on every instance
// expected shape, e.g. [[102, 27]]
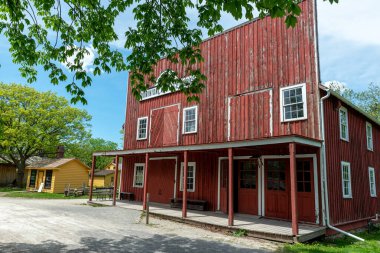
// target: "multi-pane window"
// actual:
[[369, 136], [276, 177], [303, 176], [346, 179], [293, 102], [138, 175], [48, 179], [190, 177], [343, 122], [190, 116], [142, 128], [32, 180], [372, 182], [248, 174]]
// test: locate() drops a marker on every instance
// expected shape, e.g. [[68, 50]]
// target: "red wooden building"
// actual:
[[266, 138]]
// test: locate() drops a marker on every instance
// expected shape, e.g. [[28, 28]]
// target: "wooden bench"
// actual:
[[192, 204], [127, 196], [103, 193]]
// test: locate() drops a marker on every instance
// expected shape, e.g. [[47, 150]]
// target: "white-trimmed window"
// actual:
[[190, 120], [190, 177], [293, 102], [372, 181], [346, 179], [142, 128], [138, 175], [369, 136], [343, 123]]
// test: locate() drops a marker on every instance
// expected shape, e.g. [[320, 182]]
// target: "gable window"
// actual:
[[343, 122], [142, 128], [346, 180], [190, 119], [138, 175], [293, 103], [190, 177], [32, 180], [369, 136], [372, 182], [48, 179]]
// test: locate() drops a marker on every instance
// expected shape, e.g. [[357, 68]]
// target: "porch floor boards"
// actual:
[[255, 226]]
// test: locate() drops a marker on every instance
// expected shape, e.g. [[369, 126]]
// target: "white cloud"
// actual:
[[336, 85], [87, 61], [351, 20]]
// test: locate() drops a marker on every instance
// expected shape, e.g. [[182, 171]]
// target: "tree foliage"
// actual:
[[48, 32], [34, 123], [368, 100], [83, 151]]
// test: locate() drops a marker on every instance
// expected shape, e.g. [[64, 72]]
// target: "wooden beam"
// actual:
[[230, 188], [145, 180], [116, 174], [293, 188], [184, 184], [92, 177]]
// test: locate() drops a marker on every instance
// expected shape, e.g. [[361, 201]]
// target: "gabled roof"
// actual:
[[349, 103], [102, 173], [51, 163]]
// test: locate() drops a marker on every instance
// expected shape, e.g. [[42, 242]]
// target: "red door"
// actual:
[[277, 192], [161, 180], [247, 187], [305, 190], [164, 127], [224, 186]]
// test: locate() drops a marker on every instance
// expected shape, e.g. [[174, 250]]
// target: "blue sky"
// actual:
[[349, 41]]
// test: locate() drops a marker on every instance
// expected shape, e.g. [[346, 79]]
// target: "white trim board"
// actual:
[[237, 144]]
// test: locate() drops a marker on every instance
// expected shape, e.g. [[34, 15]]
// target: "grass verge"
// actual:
[[41, 195], [9, 189], [344, 244]]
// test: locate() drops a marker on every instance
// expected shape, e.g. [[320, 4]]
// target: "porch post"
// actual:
[[115, 181], [145, 180], [184, 184], [293, 188], [230, 188], [92, 177]]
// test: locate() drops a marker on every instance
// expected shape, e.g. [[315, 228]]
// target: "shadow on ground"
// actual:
[[157, 243]]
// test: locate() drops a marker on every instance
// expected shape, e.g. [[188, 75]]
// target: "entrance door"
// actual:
[[305, 190], [277, 192], [247, 187], [40, 179], [161, 180], [224, 186]]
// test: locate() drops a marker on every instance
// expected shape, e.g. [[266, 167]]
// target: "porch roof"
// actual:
[[224, 145]]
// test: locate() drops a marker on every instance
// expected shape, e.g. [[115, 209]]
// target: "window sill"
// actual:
[[135, 186], [189, 133], [142, 139], [292, 120], [346, 140]]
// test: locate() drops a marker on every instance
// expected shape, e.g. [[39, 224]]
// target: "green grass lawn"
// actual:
[[346, 244], [9, 189], [41, 195]]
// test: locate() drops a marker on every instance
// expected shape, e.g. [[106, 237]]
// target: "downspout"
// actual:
[[324, 173]]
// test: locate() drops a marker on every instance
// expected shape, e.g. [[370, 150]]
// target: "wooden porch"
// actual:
[[255, 226]]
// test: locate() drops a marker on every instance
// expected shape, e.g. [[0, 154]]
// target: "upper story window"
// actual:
[[190, 177], [369, 136], [190, 120], [293, 103], [346, 179], [372, 182], [343, 122], [142, 128], [138, 175]]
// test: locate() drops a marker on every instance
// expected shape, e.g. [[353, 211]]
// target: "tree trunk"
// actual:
[[20, 174]]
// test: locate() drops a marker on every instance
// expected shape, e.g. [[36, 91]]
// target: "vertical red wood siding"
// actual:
[[256, 56], [361, 205]]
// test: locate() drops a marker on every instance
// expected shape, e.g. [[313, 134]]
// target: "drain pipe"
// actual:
[[324, 173]]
